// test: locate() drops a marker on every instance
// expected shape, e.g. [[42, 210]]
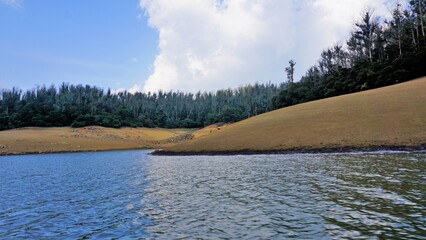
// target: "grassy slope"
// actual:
[[389, 116], [43, 140]]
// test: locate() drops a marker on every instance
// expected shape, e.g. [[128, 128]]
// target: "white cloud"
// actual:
[[13, 3], [213, 44], [118, 90], [136, 88]]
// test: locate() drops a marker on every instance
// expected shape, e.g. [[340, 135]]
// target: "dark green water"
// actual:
[[131, 194]]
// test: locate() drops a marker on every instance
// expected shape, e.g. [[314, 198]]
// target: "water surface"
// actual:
[[130, 194]]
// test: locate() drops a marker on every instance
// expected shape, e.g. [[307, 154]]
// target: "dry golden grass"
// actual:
[[208, 130], [45, 140], [389, 116]]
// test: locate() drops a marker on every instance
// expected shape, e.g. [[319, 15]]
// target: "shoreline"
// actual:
[[72, 151], [418, 148], [158, 152], [25, 141]]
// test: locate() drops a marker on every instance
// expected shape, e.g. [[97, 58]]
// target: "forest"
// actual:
[[78, 106], [378, 52]]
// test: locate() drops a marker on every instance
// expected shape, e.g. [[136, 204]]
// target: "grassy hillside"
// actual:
[[46, 140], [385, 117]]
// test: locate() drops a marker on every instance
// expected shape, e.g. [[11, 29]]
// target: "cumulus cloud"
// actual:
[[13, 3], [213, 44], [136, 88], [118, 90]]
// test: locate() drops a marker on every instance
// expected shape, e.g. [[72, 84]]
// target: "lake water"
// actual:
[[130, 194]]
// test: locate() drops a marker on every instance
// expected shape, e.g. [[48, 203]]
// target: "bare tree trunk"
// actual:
[[417, 32], [421, 17], [400, 50], [370, 50], [414, 37], [370, 55], [399, 40]]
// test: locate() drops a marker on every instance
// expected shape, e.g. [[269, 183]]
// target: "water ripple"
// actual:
[[288, 196], [132, 195]]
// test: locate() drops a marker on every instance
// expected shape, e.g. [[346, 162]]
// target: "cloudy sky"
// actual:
[[186, 45]]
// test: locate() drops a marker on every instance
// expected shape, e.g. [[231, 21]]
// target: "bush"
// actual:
[[4, 121], [82, 121], [189, 123]]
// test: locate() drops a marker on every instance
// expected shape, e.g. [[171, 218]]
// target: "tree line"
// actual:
[[78, 106], [377, 53]]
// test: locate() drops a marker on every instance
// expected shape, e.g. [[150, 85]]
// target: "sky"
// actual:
[[185, 45]]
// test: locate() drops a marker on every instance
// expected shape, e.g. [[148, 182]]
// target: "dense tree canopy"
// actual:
[[78, 106], [377, 53]]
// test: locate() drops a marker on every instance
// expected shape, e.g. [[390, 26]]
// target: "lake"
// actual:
[[131, 194]]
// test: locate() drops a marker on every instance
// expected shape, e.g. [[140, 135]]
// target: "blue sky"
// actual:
[[98, 42], [186, 45]]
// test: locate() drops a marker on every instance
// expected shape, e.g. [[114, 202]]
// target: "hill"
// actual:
[[388, 117], [93, 138]]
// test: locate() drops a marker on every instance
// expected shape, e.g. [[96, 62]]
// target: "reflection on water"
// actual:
[[134, 195]]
